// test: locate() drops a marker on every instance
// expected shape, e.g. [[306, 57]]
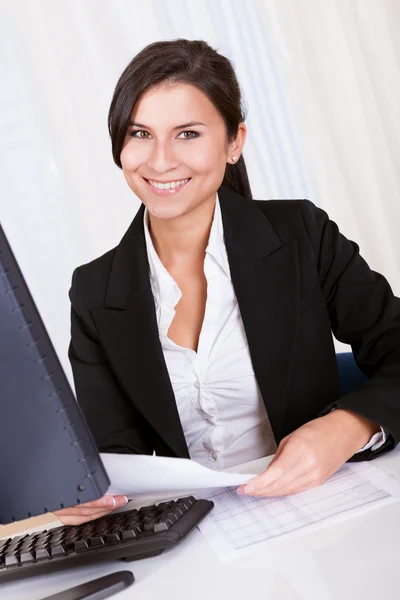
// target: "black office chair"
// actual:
[[350, 376]]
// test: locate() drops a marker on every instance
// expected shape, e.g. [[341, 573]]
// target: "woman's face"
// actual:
[[176, 134]]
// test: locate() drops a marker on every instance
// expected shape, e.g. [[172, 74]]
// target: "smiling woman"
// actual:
[[201, 75], [207, 332]]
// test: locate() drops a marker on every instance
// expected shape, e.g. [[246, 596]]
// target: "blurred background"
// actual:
[[320, 79]]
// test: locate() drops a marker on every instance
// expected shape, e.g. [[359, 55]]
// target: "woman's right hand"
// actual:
[[75, 515]]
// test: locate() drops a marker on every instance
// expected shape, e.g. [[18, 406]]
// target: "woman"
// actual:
[[207, 332]]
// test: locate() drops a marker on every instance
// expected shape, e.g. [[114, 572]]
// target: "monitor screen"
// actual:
[[48, 457]]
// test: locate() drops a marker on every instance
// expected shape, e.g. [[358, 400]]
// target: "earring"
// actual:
[[234, 158]]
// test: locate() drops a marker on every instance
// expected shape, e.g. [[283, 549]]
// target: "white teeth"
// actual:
[[167, 186]]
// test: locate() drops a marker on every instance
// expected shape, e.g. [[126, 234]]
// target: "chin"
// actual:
[[165, 212]]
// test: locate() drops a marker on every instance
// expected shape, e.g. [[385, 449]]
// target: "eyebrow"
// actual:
[[131, 123]]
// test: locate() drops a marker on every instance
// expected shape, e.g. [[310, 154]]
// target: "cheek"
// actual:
[[205, 160], [130, 159]]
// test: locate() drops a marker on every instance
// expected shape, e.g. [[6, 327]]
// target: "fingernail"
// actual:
[[249, 489], [109, 501], [122, 500]]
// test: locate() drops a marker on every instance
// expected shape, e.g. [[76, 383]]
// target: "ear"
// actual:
[[236, 147]]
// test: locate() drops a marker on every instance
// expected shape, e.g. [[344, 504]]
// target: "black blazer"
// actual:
[[296, 279]]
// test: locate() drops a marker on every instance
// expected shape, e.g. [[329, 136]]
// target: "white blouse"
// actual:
[[220, 406]]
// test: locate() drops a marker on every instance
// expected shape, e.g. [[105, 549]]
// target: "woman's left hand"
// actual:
[[312, 453]]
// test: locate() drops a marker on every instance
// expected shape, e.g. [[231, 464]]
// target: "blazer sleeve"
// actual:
[[112, 418], [364, 313]]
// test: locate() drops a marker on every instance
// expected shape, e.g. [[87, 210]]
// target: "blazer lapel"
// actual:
[[127, 327], [265, 278]]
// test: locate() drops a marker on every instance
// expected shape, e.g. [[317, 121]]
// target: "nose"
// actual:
[[162, 158]]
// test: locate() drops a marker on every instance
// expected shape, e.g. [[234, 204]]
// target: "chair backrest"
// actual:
[[350, 376]]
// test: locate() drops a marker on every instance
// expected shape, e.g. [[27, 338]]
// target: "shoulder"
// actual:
[[294, 217], [89, 281], [284, 209]]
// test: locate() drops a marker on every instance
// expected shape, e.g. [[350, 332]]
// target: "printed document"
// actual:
[[239, 525]]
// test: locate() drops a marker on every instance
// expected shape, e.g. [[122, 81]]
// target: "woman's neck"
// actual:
[[183, 241]]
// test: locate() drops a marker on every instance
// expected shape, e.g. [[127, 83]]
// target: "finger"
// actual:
[[241, 489], [105, 501], [287, 461], [287, 482], [271, 475], [79, 519], [85, 512], [299, 470], [304, 480]]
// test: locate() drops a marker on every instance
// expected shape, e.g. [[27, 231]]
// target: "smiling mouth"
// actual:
[[167, 189], [173, 184]]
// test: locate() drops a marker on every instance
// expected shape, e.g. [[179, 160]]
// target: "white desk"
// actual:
[[356, 560]]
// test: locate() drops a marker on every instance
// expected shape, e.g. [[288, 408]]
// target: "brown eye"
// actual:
[[192, 135], [133, 134]]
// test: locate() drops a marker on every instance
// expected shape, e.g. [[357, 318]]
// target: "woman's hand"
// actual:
[[89, 511], [312, 453]]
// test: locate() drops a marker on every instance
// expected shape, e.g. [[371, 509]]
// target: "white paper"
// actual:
[[239, 525], [136, 474]]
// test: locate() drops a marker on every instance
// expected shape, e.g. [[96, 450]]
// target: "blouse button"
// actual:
[[214, 455]]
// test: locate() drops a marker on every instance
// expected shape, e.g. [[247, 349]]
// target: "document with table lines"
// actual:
[[239, 525]]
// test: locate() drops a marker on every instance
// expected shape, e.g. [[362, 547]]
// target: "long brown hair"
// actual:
[[187, 61]]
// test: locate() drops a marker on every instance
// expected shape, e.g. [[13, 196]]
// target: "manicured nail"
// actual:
[[249, 489], [124, 500], [109, 501]]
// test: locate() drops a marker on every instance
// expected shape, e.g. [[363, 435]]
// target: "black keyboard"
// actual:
[[130, 535]]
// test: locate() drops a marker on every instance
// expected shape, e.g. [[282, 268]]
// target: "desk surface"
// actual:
[[357, 559]]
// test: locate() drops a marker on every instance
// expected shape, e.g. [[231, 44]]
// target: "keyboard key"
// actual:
[[148, 524], [43, 537], [12, 559], [172, 518], [161, 526], [100, 530], [130, 534], [72, 532], [27, 556], [42, 553], [26, 548], [148, 509], [14, 544], [58, 550], [186, 502], [87, 530], [112, 537], [18, 538], [80, 545], [164, 505], [96, 542]]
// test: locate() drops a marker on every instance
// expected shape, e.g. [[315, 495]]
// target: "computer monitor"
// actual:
[[48, 457]]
